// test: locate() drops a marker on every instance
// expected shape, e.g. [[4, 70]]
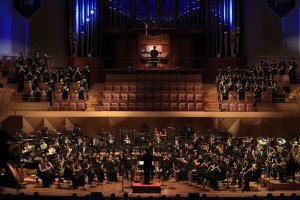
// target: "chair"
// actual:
[[55, 107], [165, 78], [182, 107], [174, 97], [81, 106], [181, 87], [132, 88], [197, 77], [156, 106], [132, 97], [122, 106], [148, 97], [191, 106], [225, 107], [140, 106], [165, 106], [124, 97], [174, 87], [117, 78], [174, 107], [140, 97], [107, 97], [108, 87], [232, 107], [109, 77], [199, 97], [114, 106], [73, 106], [241, 107], [57, 96], [125, 88], [199, 107], [105, 106], [115, 97], [165, 97], [182, 97], [190, 88], [148, 106], [165, 87], [74, 96], [156, 97], [63, 106], [190, 98], [117, 88], [130, 106], [249, 107]]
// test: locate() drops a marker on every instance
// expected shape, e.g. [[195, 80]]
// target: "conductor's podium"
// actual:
[[146, 188]]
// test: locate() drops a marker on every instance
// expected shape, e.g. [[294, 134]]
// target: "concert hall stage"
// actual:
[[169, 189]]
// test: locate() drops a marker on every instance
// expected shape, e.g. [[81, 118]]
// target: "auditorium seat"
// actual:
[[156, 106], [181, 87], [108, 87], [173, 78], [125, 88], [173, 97], [117, 77], [63, 106], [165, 106], [140, 106], [107, 97], [105, 106], [149, 87], [232, 107], [109, 77], [115, 97], [191, 106], [174, 87], [140, 87], [132, 88], [116, 88], [74, 96], [55, 107], [132, 97], [81, 106], [73, 106], [165, 87], [141, 77], [114, 106], [198, 88], [157, 78], [199, 97], [157, 97], [122, 106], [197, 78], [190, 98], [249, 107], [224, 107], [124, 97], [148, 97], [190, 88], [189, 77], [165, 97], [57, 96], [157, 87], [174, 106], [148, 106], [130, 106], [182, 107], [182, 97], [199, 107], [165, 78], [241, 107], [181, 77]]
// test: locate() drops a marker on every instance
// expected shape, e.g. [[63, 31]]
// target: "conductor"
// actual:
[[153, 54], [148, 160]]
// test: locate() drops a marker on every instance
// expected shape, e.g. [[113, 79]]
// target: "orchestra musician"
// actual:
[[97, 167], [122, 159], [111, 173], [45, 172], [87, 170], [252, 174]]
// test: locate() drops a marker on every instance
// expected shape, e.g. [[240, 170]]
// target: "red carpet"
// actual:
[[146, 188]]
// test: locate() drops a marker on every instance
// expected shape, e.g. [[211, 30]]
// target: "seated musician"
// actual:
[[78, 173], [87, 170], [216, 172], [291, 166], [122, 158], [111, 173], [167, 166], [237, 172], [97, 167], [45, 172], [254, 173], [153, 54]]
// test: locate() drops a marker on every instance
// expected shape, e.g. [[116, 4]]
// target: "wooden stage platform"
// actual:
[[168, 188]]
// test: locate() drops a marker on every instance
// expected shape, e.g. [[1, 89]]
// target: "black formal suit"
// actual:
[[148, 160]]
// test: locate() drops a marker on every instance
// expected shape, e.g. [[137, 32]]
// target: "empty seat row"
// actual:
[[237, 107], [152, 87], [164, 97], [154, 77], [148, 106], [68, 106]]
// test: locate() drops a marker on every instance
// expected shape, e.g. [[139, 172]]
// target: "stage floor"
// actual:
[[168, 188]]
